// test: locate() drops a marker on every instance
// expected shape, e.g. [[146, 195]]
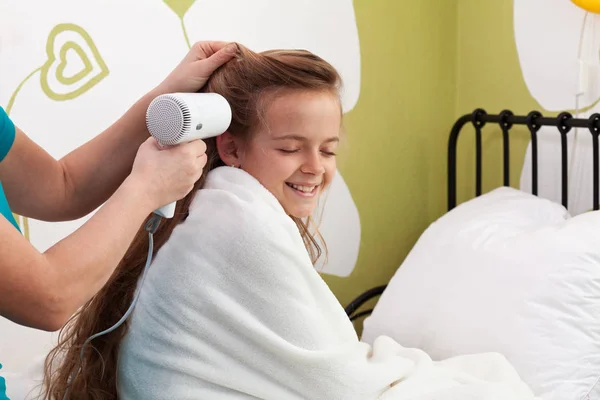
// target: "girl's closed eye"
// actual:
[[289, 151]]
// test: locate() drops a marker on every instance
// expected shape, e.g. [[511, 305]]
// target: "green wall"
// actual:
[[489, 77], [424, 64], [394, 160]]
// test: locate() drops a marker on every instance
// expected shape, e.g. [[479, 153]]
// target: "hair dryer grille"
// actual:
[[167, 119]]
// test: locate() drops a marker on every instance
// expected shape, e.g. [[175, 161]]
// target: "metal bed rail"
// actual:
[[564, 123]]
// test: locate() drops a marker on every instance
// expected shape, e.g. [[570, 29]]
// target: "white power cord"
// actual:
[[151, 227], [583, 82]]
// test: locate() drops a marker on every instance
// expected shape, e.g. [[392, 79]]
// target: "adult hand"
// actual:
[[169, 174], [193, 71]]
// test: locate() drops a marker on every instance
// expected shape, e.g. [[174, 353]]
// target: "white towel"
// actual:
[[233, 309]]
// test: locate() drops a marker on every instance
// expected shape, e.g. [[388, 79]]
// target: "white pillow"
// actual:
[[507, 272]]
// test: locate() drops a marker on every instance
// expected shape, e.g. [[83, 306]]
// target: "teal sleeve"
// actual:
[[7, 134], [6, 212], [3, 395]]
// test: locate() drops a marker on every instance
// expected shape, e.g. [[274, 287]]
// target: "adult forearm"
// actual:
[[38, 186], [95, 170], [84, 261]]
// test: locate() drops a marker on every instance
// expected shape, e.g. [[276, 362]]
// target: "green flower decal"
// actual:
[[180, 7]]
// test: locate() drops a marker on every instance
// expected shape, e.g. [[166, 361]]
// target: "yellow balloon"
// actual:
[[588, 5]]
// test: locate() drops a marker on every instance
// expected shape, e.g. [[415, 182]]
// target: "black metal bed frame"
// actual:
[[564, 122]]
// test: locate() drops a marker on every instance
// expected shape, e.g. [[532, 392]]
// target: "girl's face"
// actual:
[[292, 153]]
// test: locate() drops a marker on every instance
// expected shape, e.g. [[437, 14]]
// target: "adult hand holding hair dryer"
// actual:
[[176, 118]]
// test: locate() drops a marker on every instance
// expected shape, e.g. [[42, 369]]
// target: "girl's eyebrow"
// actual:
[[303, 139]]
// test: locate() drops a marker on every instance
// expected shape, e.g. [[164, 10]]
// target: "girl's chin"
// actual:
[[299, 212]]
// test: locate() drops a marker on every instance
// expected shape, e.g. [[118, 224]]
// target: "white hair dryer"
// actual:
[[182, 117]]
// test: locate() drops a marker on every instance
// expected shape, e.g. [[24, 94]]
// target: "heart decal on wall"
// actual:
[[74, 64]]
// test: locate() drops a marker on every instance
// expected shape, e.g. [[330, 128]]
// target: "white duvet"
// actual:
[[233, 309]]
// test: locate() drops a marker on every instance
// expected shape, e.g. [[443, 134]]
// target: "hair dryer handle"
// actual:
[[166, 211]]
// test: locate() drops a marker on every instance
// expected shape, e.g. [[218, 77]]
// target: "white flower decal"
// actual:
[[558, 44], [327, 28]]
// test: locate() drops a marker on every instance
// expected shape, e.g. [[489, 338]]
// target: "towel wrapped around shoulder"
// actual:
[[232, 308]]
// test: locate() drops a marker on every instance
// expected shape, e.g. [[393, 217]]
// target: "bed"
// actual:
[[506, 271]]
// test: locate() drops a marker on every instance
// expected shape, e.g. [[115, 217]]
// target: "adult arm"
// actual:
[[42, 290], [38, 186]]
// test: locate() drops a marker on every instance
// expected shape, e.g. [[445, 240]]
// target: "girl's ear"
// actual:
[[229, 149]]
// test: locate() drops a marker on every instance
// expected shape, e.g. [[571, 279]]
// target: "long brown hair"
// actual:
[[245, 82]]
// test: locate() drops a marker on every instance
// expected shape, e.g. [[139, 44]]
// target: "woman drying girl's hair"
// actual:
[[232, 307]]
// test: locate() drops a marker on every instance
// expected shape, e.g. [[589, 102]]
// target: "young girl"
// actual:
[[232, 307]]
